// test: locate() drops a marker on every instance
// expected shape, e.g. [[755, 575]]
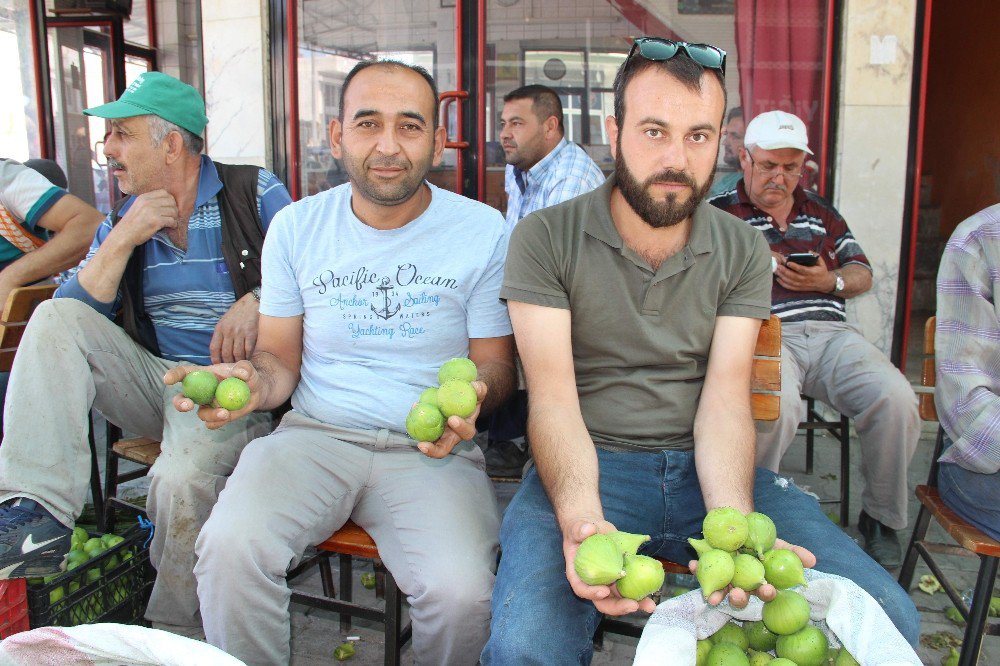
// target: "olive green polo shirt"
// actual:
[[641, 338]]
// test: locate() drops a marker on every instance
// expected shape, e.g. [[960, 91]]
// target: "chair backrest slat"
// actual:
[[16, 311], [928, 412], [765, 378]]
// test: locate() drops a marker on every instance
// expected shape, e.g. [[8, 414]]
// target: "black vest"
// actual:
[[242, 242]]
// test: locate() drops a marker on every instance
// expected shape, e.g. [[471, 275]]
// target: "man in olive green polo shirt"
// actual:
[[636, 309]]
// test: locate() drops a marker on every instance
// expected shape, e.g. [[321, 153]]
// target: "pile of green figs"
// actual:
[[738, 550]]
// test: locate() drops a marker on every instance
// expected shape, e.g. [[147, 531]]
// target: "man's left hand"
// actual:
[[236, 333], [739, 598], [796, 277], [456, 429]]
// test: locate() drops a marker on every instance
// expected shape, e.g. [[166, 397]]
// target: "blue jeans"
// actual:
[[538, 620], [971, 495]]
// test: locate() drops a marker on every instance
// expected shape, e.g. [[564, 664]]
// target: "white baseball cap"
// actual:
[[773, 130]]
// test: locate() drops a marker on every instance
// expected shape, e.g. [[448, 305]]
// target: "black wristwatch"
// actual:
[[256, 293]]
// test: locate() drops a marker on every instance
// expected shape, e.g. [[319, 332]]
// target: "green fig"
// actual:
[[726, 654], [806, 647], [733, 633], [715, 571], [598, 560], [725, 528], [643, 576], [759, 658], [749, 574], [700, 546], [761, 533], [628, 543], [701, 652], [845, 658], [759, 637], [787, 613], [783, 569]]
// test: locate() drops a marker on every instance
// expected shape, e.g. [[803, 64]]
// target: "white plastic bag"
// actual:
[[108, 644], [853, 620]]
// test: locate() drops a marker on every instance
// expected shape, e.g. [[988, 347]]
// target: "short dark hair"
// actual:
[[365, 64], [735, 112], [681, 67], [544, 101]]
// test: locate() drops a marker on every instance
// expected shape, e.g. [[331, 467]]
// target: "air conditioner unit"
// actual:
[[123, 7]]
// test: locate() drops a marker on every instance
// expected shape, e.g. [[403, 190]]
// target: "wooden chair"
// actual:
[[21, 303], [16, 312], [140, 450], [765, 405], [972, 542], [840, 429], [348, 542]]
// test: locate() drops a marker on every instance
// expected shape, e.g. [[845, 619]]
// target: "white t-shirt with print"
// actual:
[[382, 310]]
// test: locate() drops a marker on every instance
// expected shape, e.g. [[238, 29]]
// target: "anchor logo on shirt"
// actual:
[[385, 287]]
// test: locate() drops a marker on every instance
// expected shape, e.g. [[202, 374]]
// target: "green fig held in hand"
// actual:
[[628, 543], [725, 528], [700, 546], [598, 560], [643, 576], [761, 533], [749, 574], [783, 569], [715, 571]]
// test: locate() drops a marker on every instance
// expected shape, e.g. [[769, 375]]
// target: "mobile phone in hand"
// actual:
[[803, 258]]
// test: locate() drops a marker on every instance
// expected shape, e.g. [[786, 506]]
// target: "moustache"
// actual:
[[388, 164], [775, 186], [671, 176], [116, 165]]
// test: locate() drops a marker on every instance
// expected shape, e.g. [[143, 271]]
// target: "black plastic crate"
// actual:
[[112, 587]]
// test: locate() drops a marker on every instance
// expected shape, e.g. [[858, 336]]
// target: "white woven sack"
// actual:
[[853, 620], [107, 645]]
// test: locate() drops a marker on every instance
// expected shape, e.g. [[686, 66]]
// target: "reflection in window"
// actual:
[[19, 136]]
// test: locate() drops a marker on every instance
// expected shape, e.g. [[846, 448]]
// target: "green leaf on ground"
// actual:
[[940, 640]]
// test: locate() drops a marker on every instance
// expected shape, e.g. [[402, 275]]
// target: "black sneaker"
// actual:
[[881, 542], [32, 542], [506, 460]]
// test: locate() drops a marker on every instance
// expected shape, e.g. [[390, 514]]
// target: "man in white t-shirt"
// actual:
[[368, 288]]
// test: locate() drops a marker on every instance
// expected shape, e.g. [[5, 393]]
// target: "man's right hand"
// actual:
[[605, 597], [217, 417], [149, 213]]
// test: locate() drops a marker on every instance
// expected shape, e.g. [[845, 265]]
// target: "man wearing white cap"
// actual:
[[818, 265]]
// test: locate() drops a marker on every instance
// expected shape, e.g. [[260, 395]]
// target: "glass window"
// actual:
[[19, 135], [776, 59], [333, 38]]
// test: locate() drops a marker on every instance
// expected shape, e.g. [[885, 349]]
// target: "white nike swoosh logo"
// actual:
[[30, 545], [7, 571]]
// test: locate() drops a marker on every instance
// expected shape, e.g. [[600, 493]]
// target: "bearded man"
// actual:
[[635, 310]]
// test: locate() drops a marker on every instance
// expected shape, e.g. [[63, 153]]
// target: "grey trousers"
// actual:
[[834, 363], [435, 522], [72, 359]]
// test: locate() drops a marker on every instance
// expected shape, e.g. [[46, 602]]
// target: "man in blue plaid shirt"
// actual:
[[543, 169]]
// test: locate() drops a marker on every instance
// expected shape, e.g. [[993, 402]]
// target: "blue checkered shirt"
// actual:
[[564, 173], [967, 343]]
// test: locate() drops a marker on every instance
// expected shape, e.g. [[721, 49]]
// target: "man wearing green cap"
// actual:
[[177, 265]]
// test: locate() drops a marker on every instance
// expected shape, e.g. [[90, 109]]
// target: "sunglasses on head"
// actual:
[[657, 48]]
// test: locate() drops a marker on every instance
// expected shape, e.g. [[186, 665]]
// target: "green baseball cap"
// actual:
[[161, 95]]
